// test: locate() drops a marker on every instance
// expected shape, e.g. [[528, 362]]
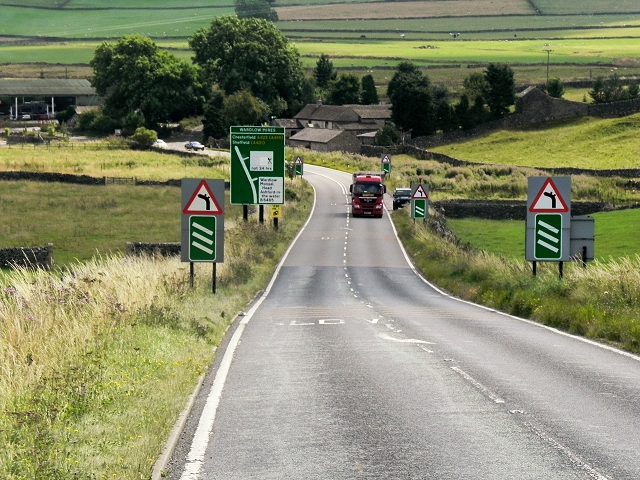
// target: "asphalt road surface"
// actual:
[[352, 366]]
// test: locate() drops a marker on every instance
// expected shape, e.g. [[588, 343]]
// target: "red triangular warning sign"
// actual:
[[419, 194], [203, 202], [548, 200]]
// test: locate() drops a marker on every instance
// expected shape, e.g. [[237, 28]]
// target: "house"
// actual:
[[291, 126], [354, 118], [325, 140]]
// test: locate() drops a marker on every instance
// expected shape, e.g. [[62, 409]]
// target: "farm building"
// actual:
[[325, 140], [353, 118], [42, 98]]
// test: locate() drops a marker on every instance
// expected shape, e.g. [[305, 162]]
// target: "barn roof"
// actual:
[[317, 135], [41, 87]]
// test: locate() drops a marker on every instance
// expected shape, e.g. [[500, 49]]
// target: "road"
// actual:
[[352, 366]]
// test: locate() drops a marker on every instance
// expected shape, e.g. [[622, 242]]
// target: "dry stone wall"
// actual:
[[30, 257]]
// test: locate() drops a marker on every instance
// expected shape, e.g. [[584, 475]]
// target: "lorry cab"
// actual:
[[367, 192]]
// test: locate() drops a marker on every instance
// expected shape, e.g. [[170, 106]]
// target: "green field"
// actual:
[[613, 239], [587, 39], [582, 142]]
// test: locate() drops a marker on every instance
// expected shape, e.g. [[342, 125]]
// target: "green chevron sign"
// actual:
[[548, 236]]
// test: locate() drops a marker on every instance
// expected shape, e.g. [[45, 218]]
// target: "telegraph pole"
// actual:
[[548, 52]]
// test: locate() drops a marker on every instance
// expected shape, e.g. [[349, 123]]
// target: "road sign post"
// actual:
[[548, 219], [386, 163], [257, 165], [202, 223], [419, 201], [299, 166]]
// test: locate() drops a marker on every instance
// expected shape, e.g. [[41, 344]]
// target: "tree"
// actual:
[[475, 84], [135, 75], [255, 9], [633, 90], [411, 99], [609, 90], [242, 108], [65, 115], [369, 91], [215, 123], [501, 89], [251, 54], [555, 88], [344, 90], [388, 135], [324, 72], [446, 119], [462, 112]]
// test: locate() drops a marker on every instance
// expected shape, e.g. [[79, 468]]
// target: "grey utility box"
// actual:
[[582, 235]]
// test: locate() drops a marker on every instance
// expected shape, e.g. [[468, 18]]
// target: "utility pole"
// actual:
[[548, 52]]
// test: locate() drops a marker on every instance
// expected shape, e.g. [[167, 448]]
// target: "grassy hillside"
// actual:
[[583, 142]]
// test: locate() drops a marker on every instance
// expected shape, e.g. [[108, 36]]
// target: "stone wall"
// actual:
[[505, 209], [30, 257], [170, 249]]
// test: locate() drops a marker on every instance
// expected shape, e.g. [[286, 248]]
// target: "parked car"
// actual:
[[194, 146], [400, 197], [159, 144]]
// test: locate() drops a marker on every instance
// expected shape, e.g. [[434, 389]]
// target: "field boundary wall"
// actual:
[[30, 257]]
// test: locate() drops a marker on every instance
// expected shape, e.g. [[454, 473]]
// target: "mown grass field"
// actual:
[[613, 235]]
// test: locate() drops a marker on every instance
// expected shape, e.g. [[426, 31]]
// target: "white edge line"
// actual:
[[530, 322], [195, 458]]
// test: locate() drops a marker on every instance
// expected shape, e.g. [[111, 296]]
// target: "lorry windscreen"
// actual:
[[367, 188]]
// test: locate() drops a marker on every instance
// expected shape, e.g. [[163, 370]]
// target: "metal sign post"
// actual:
[[386, 163], [202, 223], [419, 201], [299, 165], [548, 220]]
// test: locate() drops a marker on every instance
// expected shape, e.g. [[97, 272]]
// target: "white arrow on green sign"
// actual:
[[419, 208], [257, 165], [202, 238], [548, 236]]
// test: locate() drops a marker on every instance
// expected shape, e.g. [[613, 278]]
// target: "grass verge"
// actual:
[[97, 360], [599, 302]]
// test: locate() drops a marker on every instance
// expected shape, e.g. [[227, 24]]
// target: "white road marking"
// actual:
[[478, 385], [386, 336], [200, 443]]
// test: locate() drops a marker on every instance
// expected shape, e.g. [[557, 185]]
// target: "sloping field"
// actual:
[[424, 9]]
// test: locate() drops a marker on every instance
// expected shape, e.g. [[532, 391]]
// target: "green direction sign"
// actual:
[[419, 208], [548, 236], [257, 165], [202, 238]]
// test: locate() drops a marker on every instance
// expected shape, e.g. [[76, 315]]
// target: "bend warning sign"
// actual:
[[202, 201], [548, 199]]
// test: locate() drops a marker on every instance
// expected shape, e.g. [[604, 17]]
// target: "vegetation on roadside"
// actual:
[[98, 358], [599, 302]]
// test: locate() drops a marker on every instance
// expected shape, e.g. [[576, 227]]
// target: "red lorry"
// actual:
[[367, 192]]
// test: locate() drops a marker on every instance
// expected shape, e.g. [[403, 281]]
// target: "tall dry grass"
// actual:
[[48, 317]]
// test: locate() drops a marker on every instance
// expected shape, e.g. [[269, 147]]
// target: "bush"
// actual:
[[143, 138]]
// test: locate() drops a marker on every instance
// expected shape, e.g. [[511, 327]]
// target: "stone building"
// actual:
[[325, 140]]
